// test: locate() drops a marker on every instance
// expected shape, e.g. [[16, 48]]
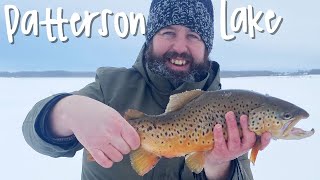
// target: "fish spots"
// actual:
[[149, 128]]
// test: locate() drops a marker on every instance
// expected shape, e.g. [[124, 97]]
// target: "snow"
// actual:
[[283, 159]]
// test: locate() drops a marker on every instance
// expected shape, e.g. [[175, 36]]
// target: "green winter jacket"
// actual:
[[123, 89]]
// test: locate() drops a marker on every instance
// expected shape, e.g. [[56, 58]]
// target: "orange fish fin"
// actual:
[[89, 156], [177, 101], [195, 161], [133, 114], [143, 161], [255, 150]]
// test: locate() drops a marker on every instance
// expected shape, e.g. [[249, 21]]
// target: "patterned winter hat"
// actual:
[[194, 14]]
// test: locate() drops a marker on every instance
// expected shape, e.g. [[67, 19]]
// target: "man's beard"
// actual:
[[157, 65]]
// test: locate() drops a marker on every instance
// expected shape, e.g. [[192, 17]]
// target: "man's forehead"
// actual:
[[177, 27]]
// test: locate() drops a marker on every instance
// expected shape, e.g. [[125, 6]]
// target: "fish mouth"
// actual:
[[291, 132]]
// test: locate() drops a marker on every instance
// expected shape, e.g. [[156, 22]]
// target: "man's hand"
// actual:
[[98, 127], [217, 161]]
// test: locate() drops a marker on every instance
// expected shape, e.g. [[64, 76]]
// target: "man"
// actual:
[[174, 59]]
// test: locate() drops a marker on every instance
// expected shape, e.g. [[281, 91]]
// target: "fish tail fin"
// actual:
[[255, 150], [89, 156], [133, 114], [195, 161], [143, 161]]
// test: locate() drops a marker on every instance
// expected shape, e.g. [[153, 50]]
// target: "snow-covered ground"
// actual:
[[292, 160]]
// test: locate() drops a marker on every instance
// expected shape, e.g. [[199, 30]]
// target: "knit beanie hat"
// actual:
[[194, 14]]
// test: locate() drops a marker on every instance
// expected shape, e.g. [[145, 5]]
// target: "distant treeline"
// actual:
[[31, 74], [267, 73]]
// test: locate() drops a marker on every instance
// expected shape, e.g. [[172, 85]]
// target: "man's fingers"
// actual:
[[120, 144], [130, 135], [248, 137], [100, 158], [219, 141], [112, 153], [234, 141]]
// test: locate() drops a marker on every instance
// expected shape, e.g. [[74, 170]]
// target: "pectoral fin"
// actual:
[[143, 161], [255, 150], [195, 161]]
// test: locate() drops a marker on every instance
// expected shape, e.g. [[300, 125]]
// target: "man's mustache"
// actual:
[[174, 55]]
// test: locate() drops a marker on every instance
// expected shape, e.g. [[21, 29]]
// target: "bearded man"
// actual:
[[174, 59]]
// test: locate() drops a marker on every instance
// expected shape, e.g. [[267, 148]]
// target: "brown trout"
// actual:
[[186, 126]]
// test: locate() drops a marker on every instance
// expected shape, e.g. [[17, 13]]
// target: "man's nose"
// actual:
[[180, 45]]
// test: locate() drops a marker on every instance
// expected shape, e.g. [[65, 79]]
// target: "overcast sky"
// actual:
[[295, 45]]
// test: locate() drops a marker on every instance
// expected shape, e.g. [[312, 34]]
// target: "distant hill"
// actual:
[[32, 74]]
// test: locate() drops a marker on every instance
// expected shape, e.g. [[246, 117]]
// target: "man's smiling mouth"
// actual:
[[178, 62]]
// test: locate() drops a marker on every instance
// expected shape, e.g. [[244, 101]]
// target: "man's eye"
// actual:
[[168, 33], [193, 36]]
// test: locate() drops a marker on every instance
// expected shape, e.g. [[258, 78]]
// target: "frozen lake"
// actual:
[[292, 160]]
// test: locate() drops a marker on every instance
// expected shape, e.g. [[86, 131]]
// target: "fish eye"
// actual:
[[287, 116]]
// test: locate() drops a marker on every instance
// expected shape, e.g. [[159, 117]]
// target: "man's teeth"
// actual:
[[178, 62]]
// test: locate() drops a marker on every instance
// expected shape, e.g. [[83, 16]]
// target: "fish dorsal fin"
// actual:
[[195, 161], [143, 161], [177, 101], [133, 114]]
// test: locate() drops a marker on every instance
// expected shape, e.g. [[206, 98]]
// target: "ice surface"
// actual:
[[292, 160]]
